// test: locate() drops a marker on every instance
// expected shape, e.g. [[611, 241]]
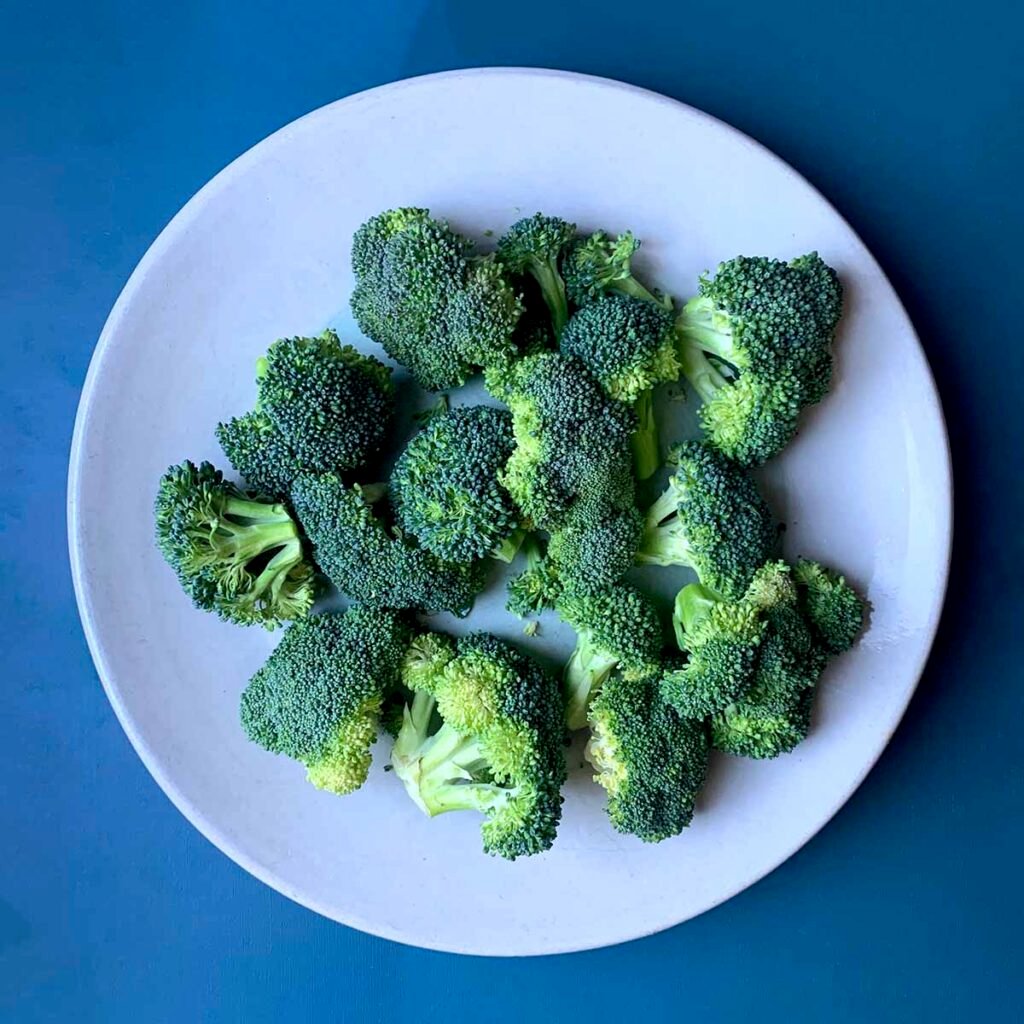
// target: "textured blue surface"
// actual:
[[907, 115]]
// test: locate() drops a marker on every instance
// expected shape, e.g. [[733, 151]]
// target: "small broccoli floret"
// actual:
[[358, 554], [712, 519], [596, 544], [319, 696], [651, 760], [615, 628], [259, 452], [534, 245], [755, 345], [765, 724], [599, 264], [431, 302], [629, 346], [537, 587], [445, 485], [532, 336], [237, 554], [484, 732], [833, 608]]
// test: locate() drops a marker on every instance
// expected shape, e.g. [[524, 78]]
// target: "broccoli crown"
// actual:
[[627, 344], [237, 554], [484, 732], [259, 452], [445, 485], [537, 587], [434, 305], [600, 264], [764, 724], [833, 608], [711, 518], [318, 697], [756, 346], [651, 761], [570, 439], [358, 554], [596, 544], [617, 627], [333, 405]]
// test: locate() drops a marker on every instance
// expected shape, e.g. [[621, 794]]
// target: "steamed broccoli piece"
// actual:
[[484, 732], [435, 306], [318, 698], [534, 245], [712, 519], [616, 628], [359, 555], [833, 608], [755, 345], [651, 760], [237, 554], [445, 485], [599, 264], [537, 587], [259, 452], [629, 346]]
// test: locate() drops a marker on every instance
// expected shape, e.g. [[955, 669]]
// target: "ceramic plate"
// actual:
[[262, 252]]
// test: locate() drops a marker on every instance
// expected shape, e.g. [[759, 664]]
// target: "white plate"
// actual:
[[262, 251]]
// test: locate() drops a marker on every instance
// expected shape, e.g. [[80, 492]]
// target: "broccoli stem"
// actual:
[[256, 511], [585, 674], [632, 287], [704, 378], [507, 550], [552, 287], [665, 545], [645, 440]]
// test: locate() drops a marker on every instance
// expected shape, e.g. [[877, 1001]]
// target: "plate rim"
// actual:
[[80, 570]]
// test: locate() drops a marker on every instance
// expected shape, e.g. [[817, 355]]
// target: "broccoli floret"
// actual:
[[651, 760], [534, 245], [319, 696], [615, 628], [833, 608], [765, 724], [712, 519], [433, 304], [599, 264], [358, 554], [629, 346], [259, 452], [755, 345], [532, 336], [237, 554], [484, 732], [445, 485], [537, 587]]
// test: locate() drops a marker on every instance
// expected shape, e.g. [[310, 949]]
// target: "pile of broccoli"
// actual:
[[557, 473]]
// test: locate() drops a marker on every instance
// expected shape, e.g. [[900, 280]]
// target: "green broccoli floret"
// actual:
[[599, 264], [651, 760], [833, 608], [755, 345], [433, 304], [533, 335], [629, 346], [237, 554], [484, 732], [259, 452], [616, 628], [534, 245], [765, 724], [712, 519], [537, 587], [359, 555], [445, 485], [319, 696]]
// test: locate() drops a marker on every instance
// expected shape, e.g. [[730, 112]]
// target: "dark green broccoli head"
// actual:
[[833, 608], [236, 554], [763, 724], [318, 697], [445, 485], [599, 264], [651, 761], [596, 544], [260, 453]]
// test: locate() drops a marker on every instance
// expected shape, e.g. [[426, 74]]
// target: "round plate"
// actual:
[[262, 252]]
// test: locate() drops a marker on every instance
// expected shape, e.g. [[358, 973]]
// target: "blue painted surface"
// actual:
[[908, 116]]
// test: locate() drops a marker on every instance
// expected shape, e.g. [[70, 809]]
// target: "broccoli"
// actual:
[[764, 724], [445, 485], [755, 345], [484, 732], [629, 346], [358, 554], [651, 760], [532, 336], [537, 587], [831, 605], [712, 519], [600, 264], [259, 452], [319, 696], [615, 628], [534, 245], [435, 306], [234, 553]]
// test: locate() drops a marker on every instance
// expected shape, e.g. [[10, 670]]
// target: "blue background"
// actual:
[[907, 115]]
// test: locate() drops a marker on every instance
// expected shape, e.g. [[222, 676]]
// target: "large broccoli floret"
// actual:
[[237, 554], [712, 519], [651, 760], [359, 555], [319, 695], [755, 344], [616, 628], [445, 485], [599, 264], [833, 608], [484, 732], [629, 346], [431, 302], [534, 245]]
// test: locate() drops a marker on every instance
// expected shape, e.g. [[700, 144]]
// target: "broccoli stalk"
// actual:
[[600, 264]]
